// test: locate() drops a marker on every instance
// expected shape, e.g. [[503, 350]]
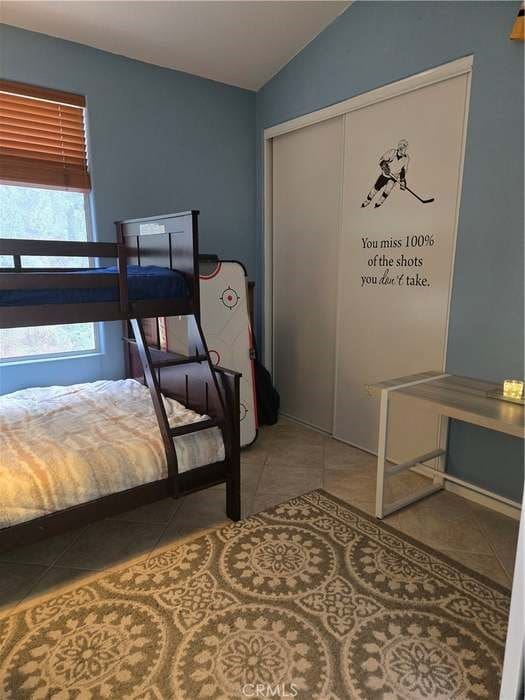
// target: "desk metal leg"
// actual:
[[443, 444], [383, 472], [381, 453]]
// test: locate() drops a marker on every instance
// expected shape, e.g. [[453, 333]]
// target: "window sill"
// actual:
[[54, 358]]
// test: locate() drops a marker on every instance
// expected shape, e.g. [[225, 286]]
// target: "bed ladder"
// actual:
[[201, 355]]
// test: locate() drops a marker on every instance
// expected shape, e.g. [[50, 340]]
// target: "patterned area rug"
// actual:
[[310, 599]]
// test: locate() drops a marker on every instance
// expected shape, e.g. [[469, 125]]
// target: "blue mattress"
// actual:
[[148, 282]]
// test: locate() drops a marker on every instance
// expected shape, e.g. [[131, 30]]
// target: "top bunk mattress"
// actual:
[[62, 446], [144, 283]]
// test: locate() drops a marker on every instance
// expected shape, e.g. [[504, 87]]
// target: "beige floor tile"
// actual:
[[353, 483], [406, 484], [339, 454], [193, 522], [110, 542], [56, 578], [265, 436], [507, 561], [207, 500], [285, 435], [255, 454], [292, 480], [209, 505], [368, 506], [356, 467], [44, 552], [250, 476], [443, 521], [485, 564], [290, 433], [247, 506], [160, 512], [200, 512], [502, 530], [502, 533], [295, 454], [181, 530], [16, 580]]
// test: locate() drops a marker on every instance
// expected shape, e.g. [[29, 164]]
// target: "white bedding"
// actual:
[[65, 445]]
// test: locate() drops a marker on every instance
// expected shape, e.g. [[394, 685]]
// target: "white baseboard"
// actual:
[[471, 495]]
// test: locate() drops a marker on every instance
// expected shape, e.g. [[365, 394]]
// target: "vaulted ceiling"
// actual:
[[241, 43]]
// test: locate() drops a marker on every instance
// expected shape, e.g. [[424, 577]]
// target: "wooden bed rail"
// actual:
[[58, 280], [70, 249], [169, 241], [20, 277]]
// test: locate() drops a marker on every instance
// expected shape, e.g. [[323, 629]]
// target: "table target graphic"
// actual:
[[230, 298], [243, 411], [218, 348], [226, 326], [215, 357]]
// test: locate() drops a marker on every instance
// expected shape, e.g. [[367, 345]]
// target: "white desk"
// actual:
[[452, 397]]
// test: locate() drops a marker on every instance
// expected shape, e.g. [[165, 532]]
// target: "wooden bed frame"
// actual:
[[168, 241]]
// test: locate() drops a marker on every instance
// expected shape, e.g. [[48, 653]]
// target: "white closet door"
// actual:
[[397, 258], [307, 172]]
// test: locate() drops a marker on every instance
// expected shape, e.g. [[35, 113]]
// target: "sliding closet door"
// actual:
[[307, 171], [397, 256]]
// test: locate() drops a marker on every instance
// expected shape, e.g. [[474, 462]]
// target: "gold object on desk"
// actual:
[[512, 391], [513, 388]]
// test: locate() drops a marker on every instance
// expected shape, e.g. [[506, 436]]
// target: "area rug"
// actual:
[[309, 599]]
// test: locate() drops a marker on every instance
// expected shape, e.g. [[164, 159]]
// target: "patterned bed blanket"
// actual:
[[65, 445]]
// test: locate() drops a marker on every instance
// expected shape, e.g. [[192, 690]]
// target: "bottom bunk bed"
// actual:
[[74, 454]]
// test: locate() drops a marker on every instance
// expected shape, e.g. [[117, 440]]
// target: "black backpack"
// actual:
[[268, 399]]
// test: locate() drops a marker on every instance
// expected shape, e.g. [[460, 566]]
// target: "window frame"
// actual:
[[97, 330]]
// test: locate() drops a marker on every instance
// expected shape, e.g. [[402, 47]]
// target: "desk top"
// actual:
[[461, 398]]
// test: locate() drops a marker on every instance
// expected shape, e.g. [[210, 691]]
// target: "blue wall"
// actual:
[[163, 140], [160, 141], [375, 43]]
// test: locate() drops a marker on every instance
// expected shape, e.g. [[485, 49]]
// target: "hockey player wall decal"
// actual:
[[394, 168]]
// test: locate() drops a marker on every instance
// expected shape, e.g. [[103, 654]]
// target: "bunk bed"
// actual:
[[155, 275]]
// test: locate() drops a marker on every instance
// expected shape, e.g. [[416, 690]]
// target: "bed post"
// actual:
[[229, 382], [233, 487], [195, 281]]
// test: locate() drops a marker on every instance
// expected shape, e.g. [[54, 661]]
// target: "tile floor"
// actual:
[[287, 460]]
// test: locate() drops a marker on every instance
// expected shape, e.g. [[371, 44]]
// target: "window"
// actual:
[[42, 142], [31, 212]]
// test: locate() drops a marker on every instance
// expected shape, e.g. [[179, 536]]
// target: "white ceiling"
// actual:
[[242, 43]]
